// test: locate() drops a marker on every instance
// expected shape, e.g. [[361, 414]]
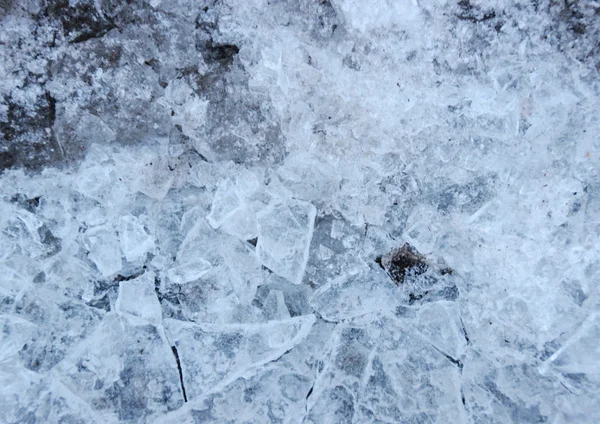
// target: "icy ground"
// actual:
[[299, 211]]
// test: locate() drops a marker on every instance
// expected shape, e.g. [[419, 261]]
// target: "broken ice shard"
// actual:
[[154, 178], [285, 229], [190, 264], [231, 209], [188, 271], [137, 297], [381, 368], [135, 241], [213, 356], [274, 307], [354, 295], [125, 371], [225, 204], [577, 362], [103, 247]]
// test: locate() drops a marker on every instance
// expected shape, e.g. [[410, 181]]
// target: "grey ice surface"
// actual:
[[299, 211]]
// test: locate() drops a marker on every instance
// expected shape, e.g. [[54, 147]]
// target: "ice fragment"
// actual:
[[212, 356], [134, 240], [138, 297], [104, 250], [285, 231]]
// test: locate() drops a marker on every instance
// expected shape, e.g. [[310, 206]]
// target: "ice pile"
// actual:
[[338, 217]]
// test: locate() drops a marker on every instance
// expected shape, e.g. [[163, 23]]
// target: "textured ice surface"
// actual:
[[380, 369], [284, 232], [365, 292], [311, 211], [138, 297], [212, 356], [232, 209], [103, 245], [135, 241], [124, 372]]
